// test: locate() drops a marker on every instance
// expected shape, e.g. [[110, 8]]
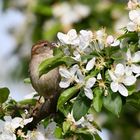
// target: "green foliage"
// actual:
[[97, 100], [4, 93], [113, 103], [66, 95], [27, 80], [134, 100], [58, 132], [81, 106], [54, 62], [66, 126], [50, 63], [27, 101]]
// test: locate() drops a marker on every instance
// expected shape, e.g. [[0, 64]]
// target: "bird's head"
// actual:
[[42, 47]]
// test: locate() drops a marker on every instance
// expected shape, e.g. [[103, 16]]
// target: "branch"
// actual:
[[43, 110]]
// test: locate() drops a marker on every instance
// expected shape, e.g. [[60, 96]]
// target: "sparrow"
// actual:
[[48, 84]]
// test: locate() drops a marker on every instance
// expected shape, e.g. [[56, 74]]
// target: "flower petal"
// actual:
[[123, 91], [90, 82], [99, 76], [133, 14], [65, 73], [115, 43], [62, 37], [114, 86], [131, 26], [72, 34], [110, 39], [135, 68], [88, 93], [128, 55], [64, 83], [74, 69], [129, 80], [128, 70], [112, 76], [119, 70], [90, 64], [136, 57]]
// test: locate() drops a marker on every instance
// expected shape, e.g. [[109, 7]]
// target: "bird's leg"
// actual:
[[37, 106]]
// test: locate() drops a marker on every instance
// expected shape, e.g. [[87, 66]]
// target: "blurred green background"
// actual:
[[34, 20]]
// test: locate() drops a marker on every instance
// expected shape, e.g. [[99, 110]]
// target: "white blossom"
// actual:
[[85, 39], [132, 60], [99, 76], [87, 89], [101, 35], [90, 64], [9, 125], [111, 41], [132, 4], [70, 118], [131, 26], [69, 76], [134, 24], [120, 79], [71, 38], [37, 134]]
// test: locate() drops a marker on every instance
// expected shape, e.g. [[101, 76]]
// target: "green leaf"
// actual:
[[57, 51], [58, 132], [131, 89], [54, 62], [50, 64], [134, 100], [27, 101], [27, 80], [66, 126], [131, 35], [43, 10], [81, 106], [4, 93], [117, 56], [113, 103], [97, 101], [84, 134], [66, 95], [97, 137], [111, 50]]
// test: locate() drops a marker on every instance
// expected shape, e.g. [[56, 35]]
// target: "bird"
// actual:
[[48, 84]]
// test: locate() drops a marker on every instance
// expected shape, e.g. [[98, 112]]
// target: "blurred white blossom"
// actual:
[[69, 14], [134, 16]]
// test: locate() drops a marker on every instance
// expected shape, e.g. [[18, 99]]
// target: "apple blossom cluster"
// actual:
[[134, 16], [11, 129], [85, 122], [8, 127], [86, 43], [89, 50]]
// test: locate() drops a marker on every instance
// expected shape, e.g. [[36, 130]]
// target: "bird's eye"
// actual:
[[45, 45]]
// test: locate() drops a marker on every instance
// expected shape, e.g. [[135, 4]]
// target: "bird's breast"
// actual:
[[47, 83]]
